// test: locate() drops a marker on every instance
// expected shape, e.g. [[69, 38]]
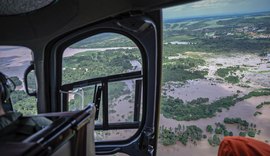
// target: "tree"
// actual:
[[26, 106], [216, 140], [218, 130], [209, 128], [204, 136], [183, 139], [225, 133], [243, 134], [210, 141], [251, 133], [167, 137], [222, 126]]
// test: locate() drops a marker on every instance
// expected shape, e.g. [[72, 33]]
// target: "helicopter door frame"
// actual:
[[144, 29]]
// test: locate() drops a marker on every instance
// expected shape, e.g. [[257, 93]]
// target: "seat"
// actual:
[[70, 134]]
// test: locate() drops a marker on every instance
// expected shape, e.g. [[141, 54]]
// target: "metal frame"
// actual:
[[141, 29], [104, 81]]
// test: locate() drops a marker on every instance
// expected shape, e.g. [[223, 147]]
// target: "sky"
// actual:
[[216, 7]]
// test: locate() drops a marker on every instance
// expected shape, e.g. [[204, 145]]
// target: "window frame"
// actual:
[[141, 50], [74, 39], [146, 35]]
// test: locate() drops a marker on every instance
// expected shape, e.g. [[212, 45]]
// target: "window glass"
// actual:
[[216, 70], [121, 108], [103, 56], [13, 62]]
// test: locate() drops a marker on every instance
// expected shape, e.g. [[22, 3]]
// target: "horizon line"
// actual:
[[229, 14]]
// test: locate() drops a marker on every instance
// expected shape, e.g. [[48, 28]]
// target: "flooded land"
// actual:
[[255, 76]]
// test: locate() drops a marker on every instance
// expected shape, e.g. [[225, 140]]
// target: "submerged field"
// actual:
[[213, 87]]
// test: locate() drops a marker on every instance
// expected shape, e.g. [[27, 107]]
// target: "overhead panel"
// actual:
[[15, 7]]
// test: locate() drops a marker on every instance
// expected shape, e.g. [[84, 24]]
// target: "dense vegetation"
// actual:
[[229, 74], [242, 123], [245, 127], [90, 64], [181, 133], [23, 103], [256, 93], [185, 134], [27, 106], [214, 141], [221, 130], [235, 34], [224, 72], [182, 69], [232, 79], [178, 110]]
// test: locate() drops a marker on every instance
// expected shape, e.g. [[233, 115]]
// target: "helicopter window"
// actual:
[[216, 69], [111, 63], [100, 55], [13, 62]]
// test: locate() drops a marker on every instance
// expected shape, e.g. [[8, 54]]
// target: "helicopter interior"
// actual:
[[95, 69]]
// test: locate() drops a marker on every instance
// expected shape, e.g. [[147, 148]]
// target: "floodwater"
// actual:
[[256, 69], [258, 76], [194, 89], [244, 109], [14, 60]]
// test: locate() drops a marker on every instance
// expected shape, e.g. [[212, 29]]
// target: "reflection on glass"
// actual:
[[32, 83]]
